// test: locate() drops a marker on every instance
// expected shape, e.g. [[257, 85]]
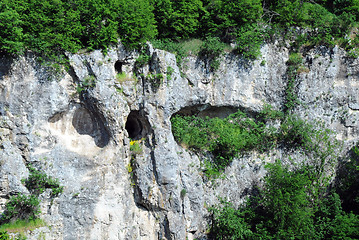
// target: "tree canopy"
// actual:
[[52, 26]]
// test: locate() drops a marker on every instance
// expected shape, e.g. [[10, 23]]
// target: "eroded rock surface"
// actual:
[[82, 136]]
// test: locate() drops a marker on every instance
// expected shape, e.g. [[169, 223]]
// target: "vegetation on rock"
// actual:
[[290, 205], [23, 210], [237, 134], [300, 201]]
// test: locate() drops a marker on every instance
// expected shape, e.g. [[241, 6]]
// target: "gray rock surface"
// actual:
[[159, 192]]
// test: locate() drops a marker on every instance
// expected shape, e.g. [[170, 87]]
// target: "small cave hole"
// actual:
[[137, 126], [118, 66]]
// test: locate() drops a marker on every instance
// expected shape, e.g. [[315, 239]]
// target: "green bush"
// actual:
[[169, 73], [38, 182], [52, 27], [249, 39], [225, 18], [172, 46], [224, 138], [291, 99], [290, 205], [212, 49], [87, 83], [237, 134], [228, 223], [155, 80], [295, 59], [21, 207], [4, 235], [135, 148], [178, 20]]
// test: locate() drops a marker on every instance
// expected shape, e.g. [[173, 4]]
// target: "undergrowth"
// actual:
[[22, 211], [22, 226], [290, 205]]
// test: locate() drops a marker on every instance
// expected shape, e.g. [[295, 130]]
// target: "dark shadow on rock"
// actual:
[[56, 117], [87, 122], [206, 110], [5, 65]]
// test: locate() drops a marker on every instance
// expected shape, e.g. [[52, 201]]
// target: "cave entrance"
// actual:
[[118, 66], [137, 126], [203, 111]]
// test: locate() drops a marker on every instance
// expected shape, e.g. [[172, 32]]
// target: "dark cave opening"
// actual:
[[118, 66], [207, 111], [137, 126]]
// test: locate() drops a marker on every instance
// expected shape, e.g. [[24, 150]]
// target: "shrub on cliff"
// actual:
[[291, 205], [21, 207]]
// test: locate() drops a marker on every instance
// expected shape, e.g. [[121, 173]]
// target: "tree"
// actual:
[[224, 18], [178, 19]]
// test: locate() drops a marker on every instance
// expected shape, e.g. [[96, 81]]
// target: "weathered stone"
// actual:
[[83, 137]]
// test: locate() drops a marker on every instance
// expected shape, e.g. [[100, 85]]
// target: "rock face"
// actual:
[[76, 126]]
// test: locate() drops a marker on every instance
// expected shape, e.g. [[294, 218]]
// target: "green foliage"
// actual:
[[285, 12], [38, 182], [136, 21], [268, 114], [287, 207], [173, 47], [135, 148], [4, 235], [155, 80], [291, 98], [177, 19], [21, 226], [169, 73], [183, 193], [21, 207], [228, 223], [142, 60], [86, 83], [224, 18], [295, 59], [51, 27], [249, 40], [286, 197], [224, 138], [212, 49], [237, 134]]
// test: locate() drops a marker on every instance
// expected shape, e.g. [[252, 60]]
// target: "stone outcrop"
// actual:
[[76, 126]]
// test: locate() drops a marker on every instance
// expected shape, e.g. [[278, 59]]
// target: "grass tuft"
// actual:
[[22, 226]]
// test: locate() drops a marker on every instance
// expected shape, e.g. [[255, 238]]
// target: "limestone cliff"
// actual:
[[76, 126]]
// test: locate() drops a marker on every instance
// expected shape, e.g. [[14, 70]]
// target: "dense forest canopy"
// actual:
[[51, 27]]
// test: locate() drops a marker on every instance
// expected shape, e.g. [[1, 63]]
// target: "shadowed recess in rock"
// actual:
[[118, 66], [88, 123], [207, 111], [137, 126], [82, 121], [5, 65]]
